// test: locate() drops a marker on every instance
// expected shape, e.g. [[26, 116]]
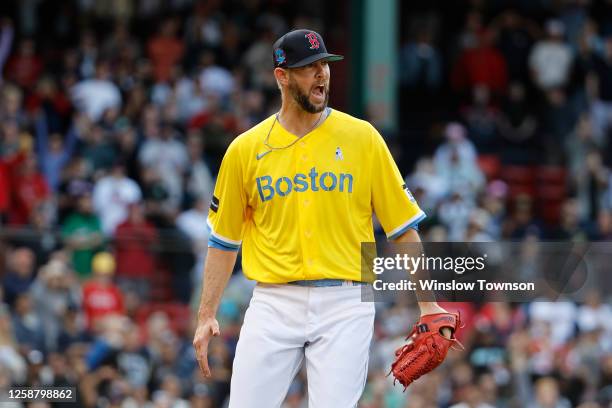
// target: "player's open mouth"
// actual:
[[319, 92]]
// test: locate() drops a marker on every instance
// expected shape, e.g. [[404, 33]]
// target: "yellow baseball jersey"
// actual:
[[302, 212]]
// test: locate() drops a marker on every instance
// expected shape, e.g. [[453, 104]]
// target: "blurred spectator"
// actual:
[[75, 182], [6, 40], [25, 67], [19, 275], [257, 59], [27, 325], [10, 358], [481, 119], [134, 360], [83, 235], [494, 203], [165, 50], [570, 228], [94, 96], [72, 331], [202, 396], [547, 395], [30, 191], [473, 26], [154, 194], [214, 79], [101, 297], [579, 145], [13, 144], [87, 54], [456, 141], [477, 227], [455, 161], [174, 358], [98, 151], [199, 181], [420, 64], [53, 151], [482, 64], [591, 186], [136, 99], [427, 186], [558, 118], [514, 40], [550, 59], [193, 223], [52, 103], [120, 45], [454, 214], [594, 314], [11, 111], [176, 255], [190, 97], [40, 237], [54, 292], [171, 391], [559, 316], [127, 147], [168, 155], [522, 221], [112, 195], [602, 106], [135, 242]]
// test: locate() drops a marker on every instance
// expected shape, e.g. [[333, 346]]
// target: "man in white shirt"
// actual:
[[95, 96], [112, 195], [169, 157], [550, 60]]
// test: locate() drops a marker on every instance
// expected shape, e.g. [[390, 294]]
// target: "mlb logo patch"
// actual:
[[339, 155], [279, 56]]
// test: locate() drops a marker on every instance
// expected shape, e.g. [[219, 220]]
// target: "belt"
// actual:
[[320, 283]]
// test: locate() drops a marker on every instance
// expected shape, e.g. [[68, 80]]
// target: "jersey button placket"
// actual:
[[299, 153], [304, 210]]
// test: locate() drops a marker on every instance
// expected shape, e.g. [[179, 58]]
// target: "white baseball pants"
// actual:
[[329, 328]]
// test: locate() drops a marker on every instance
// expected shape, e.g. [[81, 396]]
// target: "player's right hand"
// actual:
[[206, 329]]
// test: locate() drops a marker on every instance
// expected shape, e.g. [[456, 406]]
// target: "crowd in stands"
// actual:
[[114, 117]]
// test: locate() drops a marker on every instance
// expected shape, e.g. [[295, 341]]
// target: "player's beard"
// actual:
[[303, 99]]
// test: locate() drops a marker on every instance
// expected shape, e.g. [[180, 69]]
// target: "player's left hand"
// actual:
[[205, 330], [427, 347]]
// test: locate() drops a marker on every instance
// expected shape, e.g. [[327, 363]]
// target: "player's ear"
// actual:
[[282, 76]]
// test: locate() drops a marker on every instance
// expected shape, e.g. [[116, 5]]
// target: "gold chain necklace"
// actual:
[[267, 139]]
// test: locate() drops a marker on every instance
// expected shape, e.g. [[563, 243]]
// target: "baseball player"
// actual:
[[298, 191]]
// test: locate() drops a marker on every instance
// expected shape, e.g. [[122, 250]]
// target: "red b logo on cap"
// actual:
[[314, 41]]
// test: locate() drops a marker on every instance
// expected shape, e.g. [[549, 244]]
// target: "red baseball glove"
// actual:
[[426, 348]]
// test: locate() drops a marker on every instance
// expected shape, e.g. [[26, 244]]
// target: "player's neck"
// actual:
[[297, 121]]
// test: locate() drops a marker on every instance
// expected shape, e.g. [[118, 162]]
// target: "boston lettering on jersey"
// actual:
[[327, 181]]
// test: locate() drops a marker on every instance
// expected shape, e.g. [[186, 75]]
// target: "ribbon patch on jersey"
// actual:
[[339, 155], [214, 204]]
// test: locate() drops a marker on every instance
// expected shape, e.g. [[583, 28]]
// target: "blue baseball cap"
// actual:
[[298, 48]]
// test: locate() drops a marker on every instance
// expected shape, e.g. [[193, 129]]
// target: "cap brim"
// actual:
[[316, 57]]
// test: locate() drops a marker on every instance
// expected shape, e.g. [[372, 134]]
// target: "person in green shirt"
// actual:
[[82, 234]]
